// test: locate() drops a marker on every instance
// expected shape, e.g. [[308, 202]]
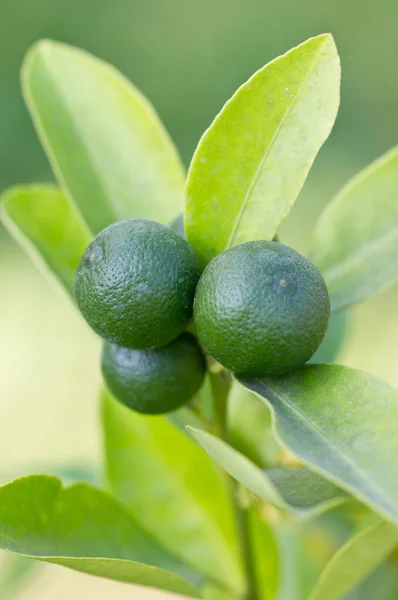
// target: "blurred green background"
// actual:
[[188, 58]]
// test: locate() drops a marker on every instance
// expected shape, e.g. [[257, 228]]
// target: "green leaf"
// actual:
[[265, 554], [15, 572], [381, 584], [43, 221], [107, 147], [355, 241], [82, 528], [249, 426], [334, 339], [298, 491], [342, 423], [355, 560], [172, 489], [251, 163]]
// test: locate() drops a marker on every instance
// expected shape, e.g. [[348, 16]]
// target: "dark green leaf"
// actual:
[[342, 423]]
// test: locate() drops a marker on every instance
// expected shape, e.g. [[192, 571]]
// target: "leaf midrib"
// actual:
[[270, 146], [42, 131], [315, 428]]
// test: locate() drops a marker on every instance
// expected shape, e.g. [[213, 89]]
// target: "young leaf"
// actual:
[[84, 529], [105, 143], [355, 560], [172, 489], [341, 423], [45, 223], [251, 163], [355, 242], [298, 491]]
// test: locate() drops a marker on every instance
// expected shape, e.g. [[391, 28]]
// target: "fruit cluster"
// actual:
[[259, 309]]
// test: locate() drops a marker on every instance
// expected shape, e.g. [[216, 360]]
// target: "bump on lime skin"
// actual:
[[154, 381], [177, 225], [135, 284], [261, 309]]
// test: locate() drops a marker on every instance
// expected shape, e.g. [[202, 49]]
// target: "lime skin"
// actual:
[[261, 309], [154, 381], [135, 284]]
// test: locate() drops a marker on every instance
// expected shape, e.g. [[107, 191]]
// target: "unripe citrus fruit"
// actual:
[[154, 381], [135, 284], [261, 309]]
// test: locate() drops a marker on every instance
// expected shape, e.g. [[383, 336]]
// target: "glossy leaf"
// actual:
[[342, 423], [298, 491], [251, 163], [355, 242], [355, 560], [172, 489], [45, 223], [82, 528], [105, 143]]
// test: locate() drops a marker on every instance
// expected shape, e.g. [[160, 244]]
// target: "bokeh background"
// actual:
[[188, 58]]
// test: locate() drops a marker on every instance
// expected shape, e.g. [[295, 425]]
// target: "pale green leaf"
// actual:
[[45, 223], [333, 340], [298, 491], [85, 529], [249, 426], [251, 163], [265, 558], [172, 489], [265, 555], [105, 143], [342, 423], [355, 560], [355, 243], [15, 572]]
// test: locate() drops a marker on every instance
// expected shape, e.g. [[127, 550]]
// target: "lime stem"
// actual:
[[220, 385]]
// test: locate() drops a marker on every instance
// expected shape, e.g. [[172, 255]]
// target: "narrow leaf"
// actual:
[[298, 491], [44, 222], [85, 529], [355, 242], [105, 143], [172, 489], [251, 163], [355, 560], [342, 423]]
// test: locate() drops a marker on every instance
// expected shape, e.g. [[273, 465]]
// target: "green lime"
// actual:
[[135, 284], [154, 381], [261, 309]]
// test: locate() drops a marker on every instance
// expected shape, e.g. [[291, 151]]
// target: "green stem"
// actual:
[[220, 381]]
